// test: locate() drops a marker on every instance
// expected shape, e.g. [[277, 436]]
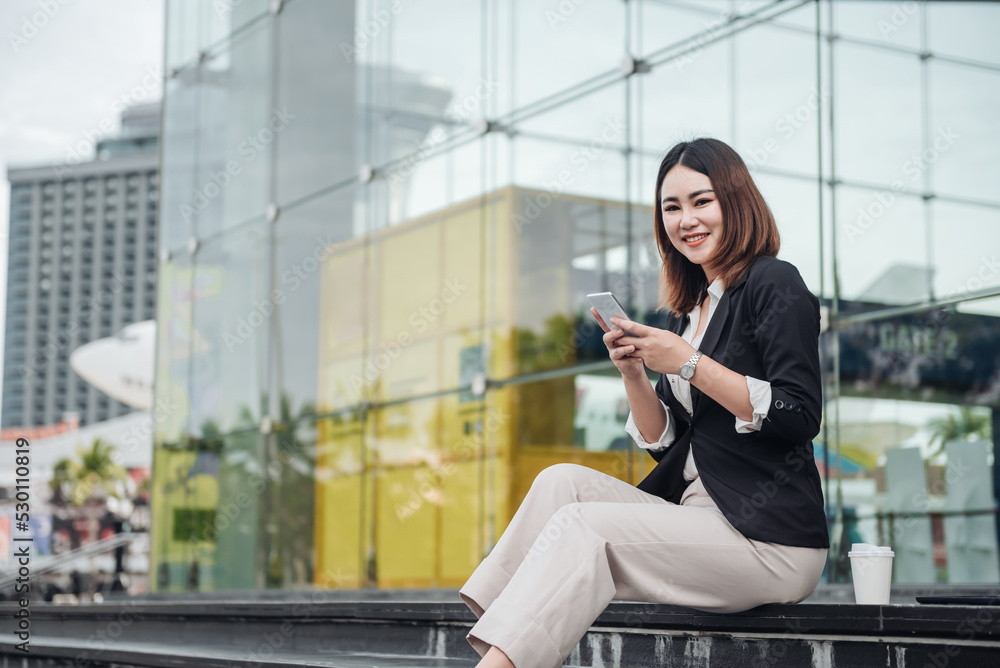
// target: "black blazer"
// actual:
[[765, 482]]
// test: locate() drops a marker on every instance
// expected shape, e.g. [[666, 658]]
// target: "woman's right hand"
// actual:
[[620, 355]]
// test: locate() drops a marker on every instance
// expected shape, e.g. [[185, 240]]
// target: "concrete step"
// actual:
[[365, 629]]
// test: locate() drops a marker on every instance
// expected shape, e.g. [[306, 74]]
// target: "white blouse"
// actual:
[[760, 390]]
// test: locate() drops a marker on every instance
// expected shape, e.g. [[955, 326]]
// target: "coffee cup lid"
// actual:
[[869, 550]]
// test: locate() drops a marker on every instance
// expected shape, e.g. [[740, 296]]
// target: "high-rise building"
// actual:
[[82, 265]]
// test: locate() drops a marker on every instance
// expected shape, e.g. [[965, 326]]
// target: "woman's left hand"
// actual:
[[661, 351]]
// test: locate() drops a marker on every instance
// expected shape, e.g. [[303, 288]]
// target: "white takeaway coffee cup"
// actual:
[[871, 567]]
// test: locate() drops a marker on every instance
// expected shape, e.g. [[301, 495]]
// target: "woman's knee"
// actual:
[[587, 484], [559, 474]]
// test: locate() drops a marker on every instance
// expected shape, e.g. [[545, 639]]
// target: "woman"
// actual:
[[731, 517]]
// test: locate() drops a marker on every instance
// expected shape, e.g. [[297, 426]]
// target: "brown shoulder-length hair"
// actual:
[[748, 227]]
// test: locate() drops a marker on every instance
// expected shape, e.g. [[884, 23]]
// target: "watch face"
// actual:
[[686, 372]]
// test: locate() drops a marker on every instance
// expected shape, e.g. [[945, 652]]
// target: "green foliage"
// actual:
[[968, 423], [93, 474]]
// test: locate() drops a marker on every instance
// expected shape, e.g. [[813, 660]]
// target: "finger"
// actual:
[[610, 336], [632, 326], [600, 320], [630, 340]]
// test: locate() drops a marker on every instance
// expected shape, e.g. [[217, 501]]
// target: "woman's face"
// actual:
[[690, 210]]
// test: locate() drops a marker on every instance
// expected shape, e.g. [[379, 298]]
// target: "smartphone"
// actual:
[[608, 307]]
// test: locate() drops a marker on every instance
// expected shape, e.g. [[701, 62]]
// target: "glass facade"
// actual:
[[380, 220]]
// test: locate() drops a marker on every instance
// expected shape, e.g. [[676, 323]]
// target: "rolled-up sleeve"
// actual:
[[666, 438], [760, 399], [786, 332]]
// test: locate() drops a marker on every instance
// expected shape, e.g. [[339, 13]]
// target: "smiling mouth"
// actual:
[[696, 239]]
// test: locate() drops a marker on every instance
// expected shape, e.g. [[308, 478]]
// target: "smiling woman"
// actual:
[[689, 203], [742, 526]]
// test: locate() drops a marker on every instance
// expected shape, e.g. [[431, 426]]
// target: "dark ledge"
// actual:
[[803, 619]]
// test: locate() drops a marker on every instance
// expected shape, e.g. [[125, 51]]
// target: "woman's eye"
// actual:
[[701, 200]]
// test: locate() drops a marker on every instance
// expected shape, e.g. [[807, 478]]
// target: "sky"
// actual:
[[63, 71]]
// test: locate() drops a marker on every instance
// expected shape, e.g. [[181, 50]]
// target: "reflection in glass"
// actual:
[[316, 147], [232, 317], [882, 246], [877, 147], [963, 145], [237, 131]]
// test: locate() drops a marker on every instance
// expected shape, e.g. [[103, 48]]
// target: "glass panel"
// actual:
[[319, 277], [882, 247], [205, 514], [916, 442], [182, 27], [964, 145], [896, 24], [180, 142], [237, 131], [964, 29], [442, 488], [443, 180], [778, 99], [964, 237], [288, 506], [232, 314], [574, 41], [194, 25], [876, 147], [579, 419], [341, 531], [222, 18], [428, 320], [242, 482], [576, 148], [315, 91], [795, 205], [560, 253], [407, 493], [174, 339], [420, 72], [685, 98], [664, 24]]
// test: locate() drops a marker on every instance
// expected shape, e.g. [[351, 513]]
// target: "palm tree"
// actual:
[[93, 475], [969, 421]]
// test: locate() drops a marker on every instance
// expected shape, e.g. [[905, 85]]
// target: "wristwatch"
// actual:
[[687, 369]]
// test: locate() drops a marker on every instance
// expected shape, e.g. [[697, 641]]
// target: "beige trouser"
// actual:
[[574, 545]]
